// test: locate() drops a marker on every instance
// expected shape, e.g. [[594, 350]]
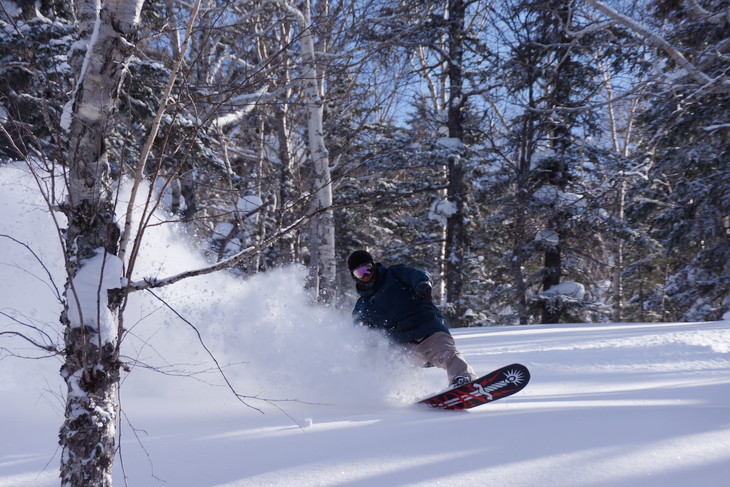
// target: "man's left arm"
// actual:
[[419, 280]]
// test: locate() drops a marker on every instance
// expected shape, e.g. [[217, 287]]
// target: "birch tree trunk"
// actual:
[[323, 223], [620, 139], [91, 367], [322, 234]]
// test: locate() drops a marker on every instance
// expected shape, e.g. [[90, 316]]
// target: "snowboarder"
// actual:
[[397, 300]]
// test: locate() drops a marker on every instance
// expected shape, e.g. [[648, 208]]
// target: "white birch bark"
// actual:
[[91, 368], [322, 235]]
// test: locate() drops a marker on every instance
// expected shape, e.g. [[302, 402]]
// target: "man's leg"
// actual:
[[440, 350]]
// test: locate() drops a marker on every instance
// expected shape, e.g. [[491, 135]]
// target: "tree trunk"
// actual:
[[456, 192], [286, 249], [322, 237], [551, 277], [618, 259], [91, 367], [519, 239], [560, 142]]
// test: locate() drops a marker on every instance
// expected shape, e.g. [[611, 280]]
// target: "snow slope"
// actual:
[[608, 404]]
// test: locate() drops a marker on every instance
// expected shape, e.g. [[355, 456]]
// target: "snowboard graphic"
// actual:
[[495, 385]]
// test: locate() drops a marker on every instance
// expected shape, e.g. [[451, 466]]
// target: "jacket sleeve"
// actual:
[[411, 276]]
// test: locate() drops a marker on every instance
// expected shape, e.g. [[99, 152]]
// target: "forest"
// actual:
[[546, 161]]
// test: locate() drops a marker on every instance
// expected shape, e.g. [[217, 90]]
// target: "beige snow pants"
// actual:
[[440, 350]]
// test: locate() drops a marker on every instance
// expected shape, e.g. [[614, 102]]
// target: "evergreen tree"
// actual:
[[545, 164], [686, 199], [35, 75]]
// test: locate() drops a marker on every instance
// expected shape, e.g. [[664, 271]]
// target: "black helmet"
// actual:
[[358, 258]]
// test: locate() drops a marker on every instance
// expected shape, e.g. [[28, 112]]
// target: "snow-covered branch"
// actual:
[[250, 101], [714, 18], [655, 39], [711, 128]]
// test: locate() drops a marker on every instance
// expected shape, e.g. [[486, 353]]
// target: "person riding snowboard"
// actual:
[[397, 300]]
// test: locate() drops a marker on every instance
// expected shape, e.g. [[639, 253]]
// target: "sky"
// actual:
[[331, 404]]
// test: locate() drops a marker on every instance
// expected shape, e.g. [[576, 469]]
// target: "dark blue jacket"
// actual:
[[390, 304]]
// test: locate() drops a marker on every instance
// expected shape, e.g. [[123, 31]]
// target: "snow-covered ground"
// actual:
[[608, 404]]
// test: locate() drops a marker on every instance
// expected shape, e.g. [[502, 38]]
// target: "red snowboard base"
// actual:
[[495, 385]]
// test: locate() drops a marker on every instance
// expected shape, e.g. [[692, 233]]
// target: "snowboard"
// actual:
[[495, 385]]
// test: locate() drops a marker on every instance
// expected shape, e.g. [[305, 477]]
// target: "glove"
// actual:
[[423, 292]]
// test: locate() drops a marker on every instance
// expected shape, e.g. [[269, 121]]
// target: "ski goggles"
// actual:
[[363, 270]]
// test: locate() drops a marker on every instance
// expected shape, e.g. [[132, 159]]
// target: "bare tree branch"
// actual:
[[154, 129], [53, 286], [51, 347], [149, 283], [244, 399]]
